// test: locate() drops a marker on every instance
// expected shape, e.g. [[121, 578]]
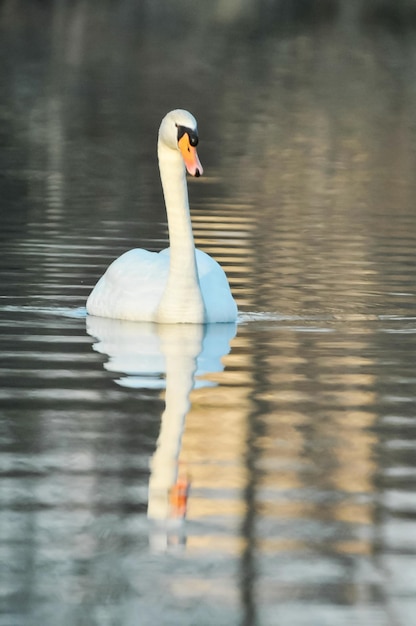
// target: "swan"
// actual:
[[180, 284]]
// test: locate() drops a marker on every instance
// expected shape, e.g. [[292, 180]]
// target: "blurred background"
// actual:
[[305, 108]]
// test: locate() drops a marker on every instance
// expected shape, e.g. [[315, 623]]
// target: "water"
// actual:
[[289, 438]]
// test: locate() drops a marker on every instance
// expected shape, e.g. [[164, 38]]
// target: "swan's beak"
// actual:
[[190, 156]]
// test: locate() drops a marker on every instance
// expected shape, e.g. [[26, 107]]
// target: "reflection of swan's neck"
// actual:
[[181, 351], [182, 297]]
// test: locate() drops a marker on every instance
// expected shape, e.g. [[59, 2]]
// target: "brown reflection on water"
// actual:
[[327, 455], [308, 414]]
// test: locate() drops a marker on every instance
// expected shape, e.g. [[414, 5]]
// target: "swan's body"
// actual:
[[179, 284]]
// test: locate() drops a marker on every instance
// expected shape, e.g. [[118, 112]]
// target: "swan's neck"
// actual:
[[182, 299]]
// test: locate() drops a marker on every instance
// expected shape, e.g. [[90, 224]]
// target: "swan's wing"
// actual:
[[219, 303], [131, 287]]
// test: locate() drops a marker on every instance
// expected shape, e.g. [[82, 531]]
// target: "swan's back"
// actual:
[[131, 288]]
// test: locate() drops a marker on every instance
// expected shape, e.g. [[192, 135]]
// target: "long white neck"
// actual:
[[182, 299]]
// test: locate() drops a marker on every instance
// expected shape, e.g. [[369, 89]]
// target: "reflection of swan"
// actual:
[[155, 356], [140, 351], [179, 284]]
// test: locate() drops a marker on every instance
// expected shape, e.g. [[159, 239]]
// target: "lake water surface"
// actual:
[[257, 474]]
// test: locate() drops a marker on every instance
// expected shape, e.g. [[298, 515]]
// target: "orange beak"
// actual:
[[190, 156]]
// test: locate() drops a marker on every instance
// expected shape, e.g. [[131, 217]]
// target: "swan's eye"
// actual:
[[193, 138]]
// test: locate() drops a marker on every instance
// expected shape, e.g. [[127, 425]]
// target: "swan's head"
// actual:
[[179, 131]]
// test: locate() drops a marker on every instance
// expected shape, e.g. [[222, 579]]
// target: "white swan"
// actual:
[[179, 284]]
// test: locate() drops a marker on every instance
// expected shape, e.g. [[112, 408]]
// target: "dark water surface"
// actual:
[[291, 437]]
